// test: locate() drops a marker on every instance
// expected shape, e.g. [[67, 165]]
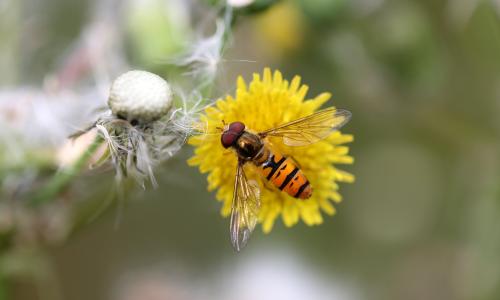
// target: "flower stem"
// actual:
[[61, 179], [4, 286]]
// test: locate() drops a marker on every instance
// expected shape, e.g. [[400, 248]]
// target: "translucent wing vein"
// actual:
[[310, 129], [244, 210]]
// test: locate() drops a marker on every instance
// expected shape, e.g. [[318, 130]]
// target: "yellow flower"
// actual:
[[265, 103]]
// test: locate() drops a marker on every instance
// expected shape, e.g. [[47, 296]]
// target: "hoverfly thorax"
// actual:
[[248, 145]]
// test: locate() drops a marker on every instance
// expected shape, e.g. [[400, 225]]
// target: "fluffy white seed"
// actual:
[[141, 96]]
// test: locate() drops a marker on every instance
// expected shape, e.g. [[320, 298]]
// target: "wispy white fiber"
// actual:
[[204, 56]]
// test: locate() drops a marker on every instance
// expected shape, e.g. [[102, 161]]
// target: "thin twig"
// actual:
[[61, 179]]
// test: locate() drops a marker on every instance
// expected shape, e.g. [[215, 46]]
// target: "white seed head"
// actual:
[[140, 96]]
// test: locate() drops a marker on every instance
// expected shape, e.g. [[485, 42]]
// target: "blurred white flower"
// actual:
[[281, 275], [32, 119], [270, 274]]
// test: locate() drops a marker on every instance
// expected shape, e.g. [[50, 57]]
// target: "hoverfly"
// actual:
[[276, 168]]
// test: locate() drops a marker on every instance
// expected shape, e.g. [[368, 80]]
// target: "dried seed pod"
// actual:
[[140, 96]]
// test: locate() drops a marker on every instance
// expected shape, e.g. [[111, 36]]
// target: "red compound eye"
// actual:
[[233, 132], [236, 127], [228, 138]]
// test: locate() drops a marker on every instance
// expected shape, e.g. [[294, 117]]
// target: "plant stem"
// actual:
[[4, 286], [62, 178]]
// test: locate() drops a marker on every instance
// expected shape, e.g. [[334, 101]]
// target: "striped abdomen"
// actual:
[[285, 175]]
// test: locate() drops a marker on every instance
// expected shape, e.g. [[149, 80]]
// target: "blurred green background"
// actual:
[[422, 220]]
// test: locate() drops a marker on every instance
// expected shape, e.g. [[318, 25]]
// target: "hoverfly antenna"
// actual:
[[224, 126]]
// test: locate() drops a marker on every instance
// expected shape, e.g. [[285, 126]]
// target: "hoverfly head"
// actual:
[[231, 133]]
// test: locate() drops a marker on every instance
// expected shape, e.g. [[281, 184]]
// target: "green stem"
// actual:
[[62, 178], [4, 286]]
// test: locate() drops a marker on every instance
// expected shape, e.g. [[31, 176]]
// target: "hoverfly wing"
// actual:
[[244, 209], [310, 129]]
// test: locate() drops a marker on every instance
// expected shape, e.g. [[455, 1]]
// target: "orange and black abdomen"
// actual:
[[285, 175]]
